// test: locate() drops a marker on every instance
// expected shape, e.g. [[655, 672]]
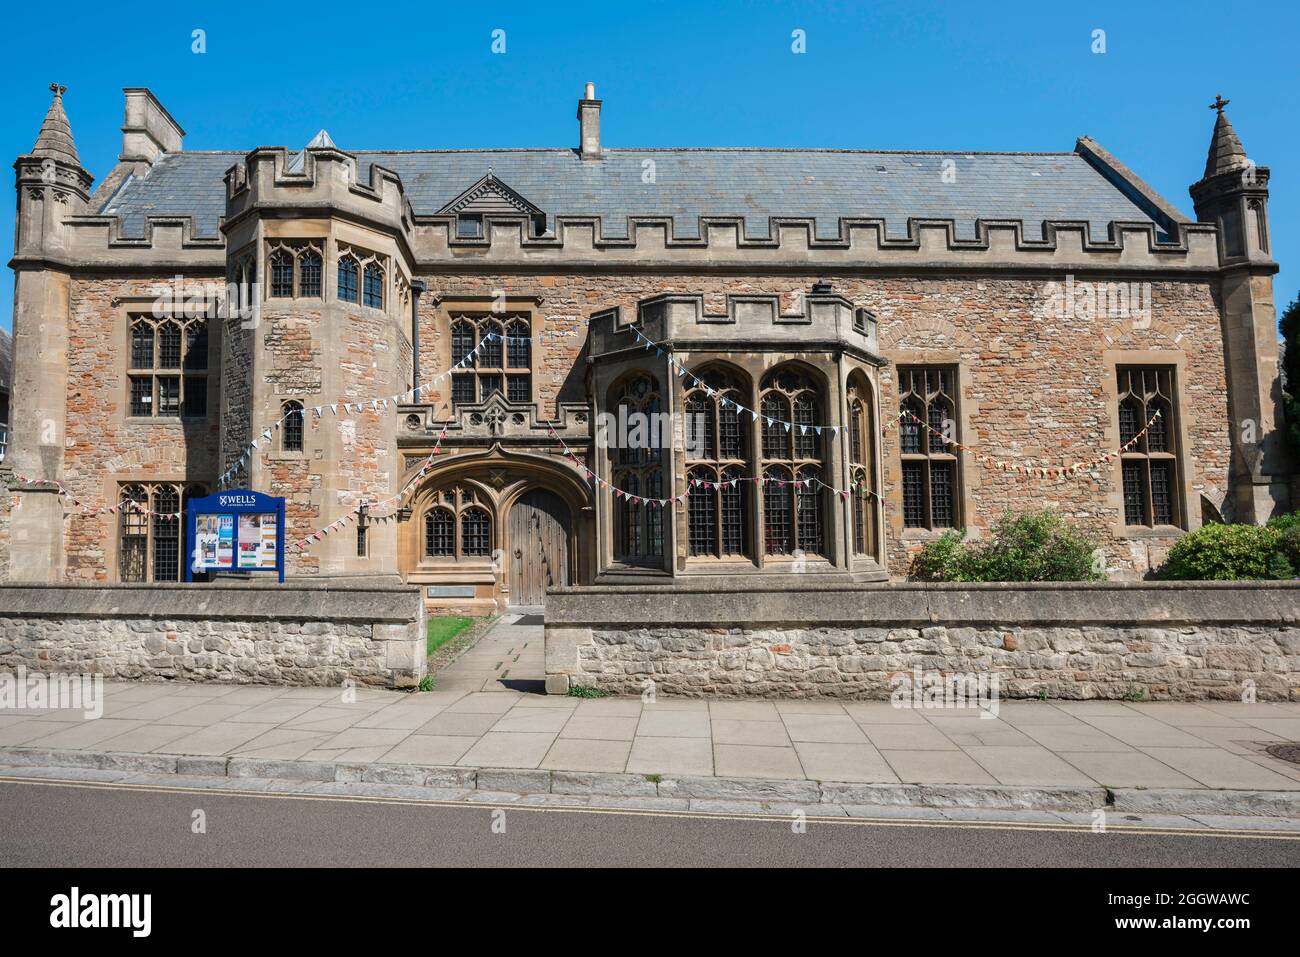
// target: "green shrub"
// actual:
[[1036, 546], [942, 560], [1285, 561], [1222, 553], [1281, 523]]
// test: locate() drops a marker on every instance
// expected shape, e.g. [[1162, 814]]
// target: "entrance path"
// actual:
[[507, 658]]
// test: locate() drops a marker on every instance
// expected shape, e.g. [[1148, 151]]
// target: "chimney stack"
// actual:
[[589, 124], [149, 130]]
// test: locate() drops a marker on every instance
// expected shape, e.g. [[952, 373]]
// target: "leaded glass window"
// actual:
[[1150, 473], [930, 462]]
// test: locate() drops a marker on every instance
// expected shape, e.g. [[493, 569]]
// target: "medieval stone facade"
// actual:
[[423, 353]]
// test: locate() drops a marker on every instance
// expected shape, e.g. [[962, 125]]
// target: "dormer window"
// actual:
[[491, 197]]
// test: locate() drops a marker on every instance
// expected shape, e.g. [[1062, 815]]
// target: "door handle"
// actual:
[[519, 553]]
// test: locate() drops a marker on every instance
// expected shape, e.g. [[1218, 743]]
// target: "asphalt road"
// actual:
[[61, 825]]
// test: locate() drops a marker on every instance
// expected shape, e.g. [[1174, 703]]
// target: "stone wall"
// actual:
[[301, 633], [1137, 641], [105, 446], [1034, 389]]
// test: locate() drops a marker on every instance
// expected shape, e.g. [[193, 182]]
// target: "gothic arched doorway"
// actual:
[[538, 546]]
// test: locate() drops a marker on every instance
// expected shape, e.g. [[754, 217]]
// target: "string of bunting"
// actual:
[[987, 461], [88, 508], [351, 517], [702, 483], [378, 403], [696, 381], [1038, 471]]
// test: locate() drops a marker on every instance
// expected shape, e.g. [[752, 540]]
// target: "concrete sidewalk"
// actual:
[[1059, 744]]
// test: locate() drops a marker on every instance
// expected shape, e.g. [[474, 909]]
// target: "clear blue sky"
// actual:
[[884, 75]]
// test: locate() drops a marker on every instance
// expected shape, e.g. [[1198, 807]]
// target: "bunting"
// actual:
[[302, 544]]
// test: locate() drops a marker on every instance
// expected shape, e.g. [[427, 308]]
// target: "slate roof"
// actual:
[[689, 183]]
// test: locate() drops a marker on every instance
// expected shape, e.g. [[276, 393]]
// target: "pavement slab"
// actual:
[[494, 719]]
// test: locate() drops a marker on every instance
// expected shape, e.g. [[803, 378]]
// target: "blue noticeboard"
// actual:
[[235, 531]]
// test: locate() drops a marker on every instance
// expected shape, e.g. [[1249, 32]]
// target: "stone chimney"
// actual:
[[589, 124], [149, 130]]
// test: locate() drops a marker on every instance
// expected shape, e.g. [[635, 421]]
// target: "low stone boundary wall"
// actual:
[[298, 633], [1119, 640]]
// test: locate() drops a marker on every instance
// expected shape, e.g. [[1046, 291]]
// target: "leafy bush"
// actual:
[[1289, 326], [1223, 553], [1036, 546], [1281, 523], [942, 560], [1285, 561]]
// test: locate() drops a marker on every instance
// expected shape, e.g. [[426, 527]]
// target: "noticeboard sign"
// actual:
[[235, 531]]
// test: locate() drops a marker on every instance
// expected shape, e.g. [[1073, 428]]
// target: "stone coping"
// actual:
[[344, 600], [751, 605], [503, 783]]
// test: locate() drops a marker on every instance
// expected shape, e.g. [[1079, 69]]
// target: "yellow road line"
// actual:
[[668, 813]]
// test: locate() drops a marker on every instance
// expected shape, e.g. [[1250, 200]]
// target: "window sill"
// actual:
[[167, 419], [1149, 531], [925, 534]]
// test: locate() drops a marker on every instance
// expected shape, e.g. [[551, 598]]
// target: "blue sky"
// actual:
[[884, 75]]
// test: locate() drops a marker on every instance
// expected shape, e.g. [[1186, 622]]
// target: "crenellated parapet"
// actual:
[[818, 321], [326, 183]]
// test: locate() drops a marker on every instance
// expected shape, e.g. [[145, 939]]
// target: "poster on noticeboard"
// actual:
[[236, 531]]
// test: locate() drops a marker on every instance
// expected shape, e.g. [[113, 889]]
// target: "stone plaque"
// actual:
[[450, 591]]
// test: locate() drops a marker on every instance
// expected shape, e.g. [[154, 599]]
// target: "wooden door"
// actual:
[[538, 546]]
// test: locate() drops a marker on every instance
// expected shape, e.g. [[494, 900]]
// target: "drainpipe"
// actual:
[[418, 286]]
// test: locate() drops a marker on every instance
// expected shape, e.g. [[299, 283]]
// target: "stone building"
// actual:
[[850, 351]]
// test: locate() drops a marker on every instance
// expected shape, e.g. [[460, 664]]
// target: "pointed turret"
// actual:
[[321, 141], [1226, 152], [55, 138], [1233, 194]]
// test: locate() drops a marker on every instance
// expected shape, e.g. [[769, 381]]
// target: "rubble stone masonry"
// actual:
[[1036, 388]]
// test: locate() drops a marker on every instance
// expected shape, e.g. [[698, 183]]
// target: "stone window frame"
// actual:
[[297, 250], [932, 450], [1184, 427], [464, 499], [287, 408], [715, 467], [188, 377], [795, 466], [633, 476], [363, 259], [505, 322], [363, 530], [968, 477], [152, 528], [863, 444]]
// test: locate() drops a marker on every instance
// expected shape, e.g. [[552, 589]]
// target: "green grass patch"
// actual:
[[443, 630], [582, 691], [426, 683]]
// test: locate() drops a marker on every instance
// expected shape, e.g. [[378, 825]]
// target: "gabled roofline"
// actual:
[[1130, 184], [489, 180]]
